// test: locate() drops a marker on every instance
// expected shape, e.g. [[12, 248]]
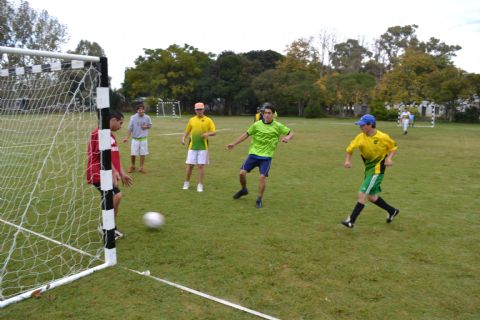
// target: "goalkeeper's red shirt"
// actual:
[[93, 162]]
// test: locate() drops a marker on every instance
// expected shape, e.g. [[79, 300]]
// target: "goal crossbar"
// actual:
[[57, 55]]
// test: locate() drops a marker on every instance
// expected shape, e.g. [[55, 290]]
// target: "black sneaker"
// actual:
[[347, 224], [392, 215], [258, 203], [241, 193]]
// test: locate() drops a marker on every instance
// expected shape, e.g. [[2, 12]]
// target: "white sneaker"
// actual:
[[200, 188], [186, 185], [118, 234]]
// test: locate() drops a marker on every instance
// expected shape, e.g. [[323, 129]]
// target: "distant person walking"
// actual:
[[199, 127], [405, 120], [377, 150], [138, 128]]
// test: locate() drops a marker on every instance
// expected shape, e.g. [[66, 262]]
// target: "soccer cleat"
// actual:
[[200, 187], [347, 224], [392, 215], [258, 203], [241, 193], [141, 170], [131, 169], [118, 234], [186, 185]]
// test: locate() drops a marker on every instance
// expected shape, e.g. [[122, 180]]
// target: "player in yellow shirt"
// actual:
[[199, 127], [377, 150]]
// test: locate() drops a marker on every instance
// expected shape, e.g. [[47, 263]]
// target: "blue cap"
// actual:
[[366, 119]]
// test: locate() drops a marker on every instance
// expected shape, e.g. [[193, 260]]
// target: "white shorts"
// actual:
[[197, 157], [139, 148]]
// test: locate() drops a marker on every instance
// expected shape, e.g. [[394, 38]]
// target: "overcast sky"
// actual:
[[124, 28]]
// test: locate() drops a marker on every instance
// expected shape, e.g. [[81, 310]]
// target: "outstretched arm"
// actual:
[[288, 137], [389, 159], [239, 140], [185, 135], [128, 136], [126, 179], [348, 160]]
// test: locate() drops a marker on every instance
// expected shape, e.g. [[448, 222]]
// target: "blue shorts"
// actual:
[[252, 161]]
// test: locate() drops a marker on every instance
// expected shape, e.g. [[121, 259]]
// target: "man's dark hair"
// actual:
[[271, 107], [141, 106], [115, 114]]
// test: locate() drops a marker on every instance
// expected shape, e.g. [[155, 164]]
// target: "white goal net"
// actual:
[[48, 213], [169, 109]]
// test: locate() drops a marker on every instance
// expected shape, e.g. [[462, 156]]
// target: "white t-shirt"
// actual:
[[136, 123], [405, 115]]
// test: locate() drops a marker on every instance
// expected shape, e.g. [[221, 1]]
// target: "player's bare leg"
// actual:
[[201, 174], [142, 164], [132, 167], [188, 175], [261, 189], [243, 183]]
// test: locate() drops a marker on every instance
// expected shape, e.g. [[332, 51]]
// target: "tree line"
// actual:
[[315, 76]]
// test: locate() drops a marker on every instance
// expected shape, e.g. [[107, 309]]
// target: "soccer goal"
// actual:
[[169, 109], [48, 213]]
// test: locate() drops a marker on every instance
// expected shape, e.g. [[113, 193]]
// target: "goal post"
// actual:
[[49, 214], [169, 109]]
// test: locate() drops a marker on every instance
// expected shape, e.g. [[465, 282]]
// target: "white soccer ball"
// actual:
[[153, 220]]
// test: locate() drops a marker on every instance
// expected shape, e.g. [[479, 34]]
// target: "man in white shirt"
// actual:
[[405, 120], [138, 128]]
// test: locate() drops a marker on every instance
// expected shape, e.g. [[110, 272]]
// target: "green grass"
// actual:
[[292, 259]]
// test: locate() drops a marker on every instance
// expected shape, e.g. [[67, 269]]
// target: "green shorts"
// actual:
[[371, 184]]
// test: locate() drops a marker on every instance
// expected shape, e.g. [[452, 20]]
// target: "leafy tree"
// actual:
[[408, 80], [301, 55], [474, 83], [446, 86], [266, 59], [394, 43], [348, 56], [289, 90], [441, 52], [230, 77], [347, 89], [117, 100], [85, 47], [6, 17], [23, 27], [171, 73]]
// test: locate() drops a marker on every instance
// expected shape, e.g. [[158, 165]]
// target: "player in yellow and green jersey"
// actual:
[[377, 150], [199, 127], [266, 134]]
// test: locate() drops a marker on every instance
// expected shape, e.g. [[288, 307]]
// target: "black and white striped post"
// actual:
[[106, 175]]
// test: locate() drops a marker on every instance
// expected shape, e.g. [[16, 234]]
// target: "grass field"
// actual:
[[292, 259]]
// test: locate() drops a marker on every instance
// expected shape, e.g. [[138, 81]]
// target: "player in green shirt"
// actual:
[[377, 150], [265, 136]]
